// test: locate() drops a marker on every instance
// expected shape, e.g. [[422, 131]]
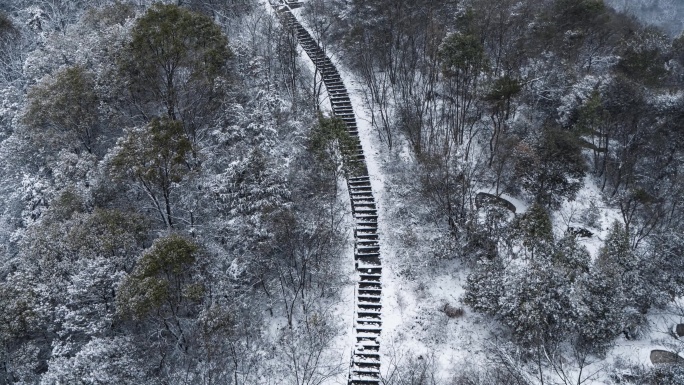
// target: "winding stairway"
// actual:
[[365, 360]]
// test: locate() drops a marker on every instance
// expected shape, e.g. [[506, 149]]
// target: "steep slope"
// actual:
[[365, 361]]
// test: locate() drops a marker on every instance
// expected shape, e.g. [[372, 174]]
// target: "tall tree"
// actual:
[[63, 112], [156, 158], [553, 169], [463, 59], [175, 64]]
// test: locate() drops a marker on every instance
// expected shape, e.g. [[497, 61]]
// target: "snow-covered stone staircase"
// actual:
[[365, 359]]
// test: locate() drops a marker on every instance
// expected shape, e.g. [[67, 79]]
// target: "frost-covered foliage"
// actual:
[[153, 230], [170, 208], [496, 116], [666, 14]]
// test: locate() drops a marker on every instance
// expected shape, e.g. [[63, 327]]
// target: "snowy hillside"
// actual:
[[666, 14], [329, 192]]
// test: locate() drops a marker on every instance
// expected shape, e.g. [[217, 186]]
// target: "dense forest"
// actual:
[[174, 208]]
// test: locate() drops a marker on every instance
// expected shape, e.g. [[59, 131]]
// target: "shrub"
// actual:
[[453, 312]]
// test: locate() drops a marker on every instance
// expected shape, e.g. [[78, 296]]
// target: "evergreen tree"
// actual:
[[533, 229]]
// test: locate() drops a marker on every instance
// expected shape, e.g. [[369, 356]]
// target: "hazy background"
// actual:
[[667, 14]]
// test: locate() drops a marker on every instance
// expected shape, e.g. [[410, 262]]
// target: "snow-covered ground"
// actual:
[[417, 284]]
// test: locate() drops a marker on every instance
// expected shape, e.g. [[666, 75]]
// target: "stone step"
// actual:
[[364, 265], [362, 197], [368, 337], [369, 305], [366, 201], [361, 188], [368, 236], [365, 321], [363, 338], [365, 205], [375, 270], [375, 324], [328, 70], [369, 351], [365, 355], [347, 118], [360, 192], [365, 252], [368, 329], [360, 184], [344, 115], [367, 256], [367, 249], [359, 179], [365, 365], [365, 234], [374, 318], [376, 292], [365, 243], [337, 88], [319, 60], [359, 380], [367, 343], [370, 278], [360, 373], [372, 366], [370, 285], [374, 330], [367, 195], [371, 323]]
